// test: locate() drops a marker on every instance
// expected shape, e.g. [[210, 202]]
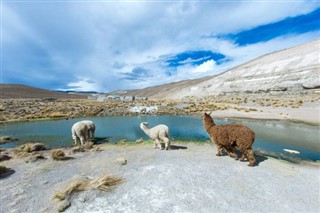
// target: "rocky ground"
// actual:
[[186, 178], [300, 108]]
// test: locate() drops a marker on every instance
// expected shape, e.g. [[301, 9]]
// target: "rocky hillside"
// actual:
[[293, 71], [161, 91], [21, 91]]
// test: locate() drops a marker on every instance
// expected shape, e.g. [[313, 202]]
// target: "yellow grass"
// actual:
[[3, 170], [104, 183], [57, 154]]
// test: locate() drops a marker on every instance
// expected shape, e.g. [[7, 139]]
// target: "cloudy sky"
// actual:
[[109, 45]]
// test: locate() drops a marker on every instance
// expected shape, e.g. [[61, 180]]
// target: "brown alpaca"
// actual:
[[229, 136]]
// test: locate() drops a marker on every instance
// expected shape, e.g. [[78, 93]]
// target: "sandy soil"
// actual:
[[187, 178], [307, 113]]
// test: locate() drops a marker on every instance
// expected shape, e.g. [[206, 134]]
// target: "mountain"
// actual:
[[292, 71], [23, 91], [160, 91]]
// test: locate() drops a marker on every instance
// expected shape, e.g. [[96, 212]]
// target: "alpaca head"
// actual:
[[207, 118], [144, 125]]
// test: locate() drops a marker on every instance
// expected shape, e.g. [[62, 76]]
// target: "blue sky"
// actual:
[[111, 45]]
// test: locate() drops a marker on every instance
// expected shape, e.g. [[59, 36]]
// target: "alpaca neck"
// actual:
[[208, 124], [146, 130]]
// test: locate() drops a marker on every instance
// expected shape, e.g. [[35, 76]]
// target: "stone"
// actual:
[[121, 161], [63, 205]]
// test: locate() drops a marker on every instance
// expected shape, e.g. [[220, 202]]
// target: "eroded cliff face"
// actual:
[[291, 71]]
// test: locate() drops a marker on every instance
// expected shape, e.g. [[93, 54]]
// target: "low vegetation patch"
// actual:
[[58, 154], [90, 146], [29, 151], [3, 170], [104, 183]]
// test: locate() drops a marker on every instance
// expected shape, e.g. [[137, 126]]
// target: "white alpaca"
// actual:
[[91, 128], [157, 133], [81, 131]]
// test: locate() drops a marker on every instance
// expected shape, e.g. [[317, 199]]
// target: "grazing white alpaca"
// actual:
[[157, 133], [81, 131], [91, 128]]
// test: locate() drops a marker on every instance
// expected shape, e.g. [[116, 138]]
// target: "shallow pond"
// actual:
[[271, 136]]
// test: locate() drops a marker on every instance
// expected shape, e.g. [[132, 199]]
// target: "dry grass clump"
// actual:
[[3, 170], [29, 150], [57, 115], [72, 188], [4, 157], [86, 147], [58, 154], [34, 157], [104, 183], [32, 147]]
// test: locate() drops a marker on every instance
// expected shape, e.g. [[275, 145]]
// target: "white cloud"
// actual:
[[101, 41], [83, 85], [205, 67]]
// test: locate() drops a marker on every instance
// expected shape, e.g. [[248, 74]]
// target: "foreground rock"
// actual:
[[187, 178]]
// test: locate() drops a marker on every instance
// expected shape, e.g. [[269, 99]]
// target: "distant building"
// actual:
[[128, 98], [139, 98], [101, 98], [93, 97], [144, 109], [113, 97]]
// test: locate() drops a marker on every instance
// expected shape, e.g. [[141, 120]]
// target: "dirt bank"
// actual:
[[187, 178], [305, 109]]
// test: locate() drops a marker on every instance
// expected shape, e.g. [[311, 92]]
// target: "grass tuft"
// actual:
[[104, 183], [107, 182], [58, 154], [3, 170]]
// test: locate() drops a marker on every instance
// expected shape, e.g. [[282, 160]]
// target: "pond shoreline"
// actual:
[[221, 116], [16, 110], [272, 135], [124, 142]]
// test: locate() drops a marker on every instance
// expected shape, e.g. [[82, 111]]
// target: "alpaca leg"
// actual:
[[88, 135], [231, 153], [92, 135], [252, 159], [157, 144], [76, 140], [219, 150], [243, 157], [82, 140], [167, 143]]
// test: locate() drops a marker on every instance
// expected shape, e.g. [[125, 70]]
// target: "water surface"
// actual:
[[271, 136]]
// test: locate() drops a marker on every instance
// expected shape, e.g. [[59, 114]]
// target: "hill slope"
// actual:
[[22, 91], [161, 91], [292, 71]]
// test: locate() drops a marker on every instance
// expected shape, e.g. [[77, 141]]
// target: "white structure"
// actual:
[[144, 109]]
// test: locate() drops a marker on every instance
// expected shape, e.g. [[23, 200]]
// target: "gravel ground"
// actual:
[[187, 178]]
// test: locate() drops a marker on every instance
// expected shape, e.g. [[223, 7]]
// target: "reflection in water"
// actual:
[[271, 136]]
